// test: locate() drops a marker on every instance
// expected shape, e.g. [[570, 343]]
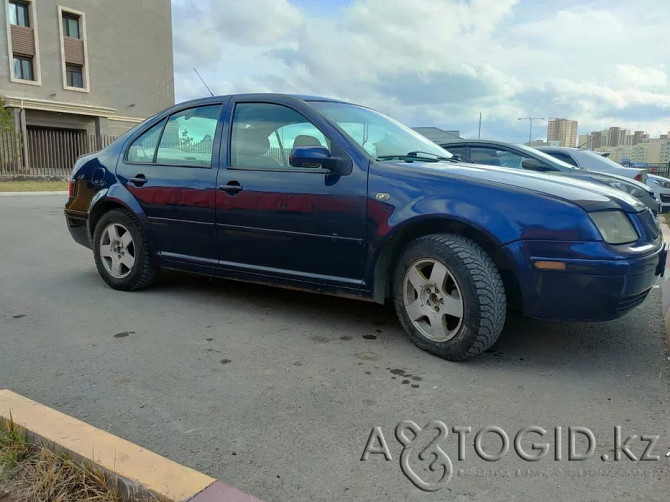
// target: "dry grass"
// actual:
[[33, 186], [34, 473]]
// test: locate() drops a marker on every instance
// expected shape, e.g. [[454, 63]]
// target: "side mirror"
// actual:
[[535, 165], [314, 157]]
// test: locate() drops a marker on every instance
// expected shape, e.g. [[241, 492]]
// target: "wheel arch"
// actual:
[[106, 200], [396, 243]]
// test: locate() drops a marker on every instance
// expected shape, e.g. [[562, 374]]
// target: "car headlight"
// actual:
[[614, 226], [624, 187]]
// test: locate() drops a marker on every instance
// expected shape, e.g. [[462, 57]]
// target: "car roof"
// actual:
[[260, 95]]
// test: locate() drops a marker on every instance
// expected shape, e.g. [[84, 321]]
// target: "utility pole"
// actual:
[[479, 131], [530, 119]]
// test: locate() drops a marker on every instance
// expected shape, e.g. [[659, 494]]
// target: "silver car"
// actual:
[[661, 188], [586, 159]]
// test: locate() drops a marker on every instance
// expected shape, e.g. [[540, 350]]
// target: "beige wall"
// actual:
[[129, 45]]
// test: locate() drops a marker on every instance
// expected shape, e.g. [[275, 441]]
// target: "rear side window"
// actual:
[[143, 149], [188, 137], [564, 157]]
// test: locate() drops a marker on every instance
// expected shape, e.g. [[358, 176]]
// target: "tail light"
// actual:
[[639, 177], [71, 187]]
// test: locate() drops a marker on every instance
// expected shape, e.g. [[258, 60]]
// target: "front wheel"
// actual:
[[121, 252], [449, 296]]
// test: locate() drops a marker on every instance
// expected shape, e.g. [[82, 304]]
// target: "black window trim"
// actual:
[[81, 73], [29, 59], [165, 119], [71, 16], [290, 169], [24, 5]]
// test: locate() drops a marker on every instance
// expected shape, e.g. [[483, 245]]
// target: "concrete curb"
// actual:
[[16, 194], [131, 468]]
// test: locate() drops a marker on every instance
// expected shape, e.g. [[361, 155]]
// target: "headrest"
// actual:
[[251, 142], [305, 140]]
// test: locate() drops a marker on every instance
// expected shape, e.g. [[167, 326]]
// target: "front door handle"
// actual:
[[231, 188], [138, 180]]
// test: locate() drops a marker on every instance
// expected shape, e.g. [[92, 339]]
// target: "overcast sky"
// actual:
[[440, 62]]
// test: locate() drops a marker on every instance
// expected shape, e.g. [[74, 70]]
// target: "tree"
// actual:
[[6, 118]]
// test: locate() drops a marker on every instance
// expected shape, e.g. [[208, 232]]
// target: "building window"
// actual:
[[23, 68], [71, 26], [19, 14], [74, 76]]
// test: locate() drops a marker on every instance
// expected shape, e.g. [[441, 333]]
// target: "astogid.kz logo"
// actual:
[[424, 461]]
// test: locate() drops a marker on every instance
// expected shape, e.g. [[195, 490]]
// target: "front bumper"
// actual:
[[588, 289]]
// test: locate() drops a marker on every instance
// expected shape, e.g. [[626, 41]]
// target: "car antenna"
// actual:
[[203, 82]]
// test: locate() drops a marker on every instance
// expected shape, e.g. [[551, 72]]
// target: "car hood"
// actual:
[[590, 196]]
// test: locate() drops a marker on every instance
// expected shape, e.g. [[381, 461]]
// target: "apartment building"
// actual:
[[85, 66], [562, 130]]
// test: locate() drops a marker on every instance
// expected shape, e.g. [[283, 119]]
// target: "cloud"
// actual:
[[256, 22], [440, 63]]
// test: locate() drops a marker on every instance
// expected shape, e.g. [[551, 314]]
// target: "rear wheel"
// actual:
[[121, 252], [449, 296]]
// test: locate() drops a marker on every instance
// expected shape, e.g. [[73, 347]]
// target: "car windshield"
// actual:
[[545, 156], [381, 136]]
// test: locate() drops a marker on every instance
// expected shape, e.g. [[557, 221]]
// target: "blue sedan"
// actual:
[[335, 198]]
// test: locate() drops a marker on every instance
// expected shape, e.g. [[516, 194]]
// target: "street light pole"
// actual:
[[530, 132]]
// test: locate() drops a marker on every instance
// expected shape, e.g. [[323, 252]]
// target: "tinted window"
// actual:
[[495, 157], [18, 14], [564, 157], [74, 76], [23, 68], [456, 150], [71, 26], [143, 149], [188, 137], [264, 135]]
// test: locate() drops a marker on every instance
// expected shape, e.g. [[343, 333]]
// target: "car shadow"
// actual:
[[524, 342]]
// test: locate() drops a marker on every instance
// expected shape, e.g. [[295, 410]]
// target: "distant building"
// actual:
[[612, 137], [562, 130], [655, 151], [437, 135], [84, 68], [540, 142]]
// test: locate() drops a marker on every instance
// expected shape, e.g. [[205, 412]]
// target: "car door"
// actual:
[[303, 223], [170, 168]]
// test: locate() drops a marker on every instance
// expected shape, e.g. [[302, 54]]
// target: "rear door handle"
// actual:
[[138, 180], [231, 188]]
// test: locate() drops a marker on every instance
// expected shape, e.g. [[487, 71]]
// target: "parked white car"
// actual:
[[587, 159], [661, 188]]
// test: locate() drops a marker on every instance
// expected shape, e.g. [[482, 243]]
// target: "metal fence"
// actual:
[[659, 169], [10, 152], [50, 152]]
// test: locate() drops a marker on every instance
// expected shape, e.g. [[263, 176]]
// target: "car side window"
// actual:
[[264, 134], [143, 149], [455, 150], [495, 157], [564, 157], [188, 137]]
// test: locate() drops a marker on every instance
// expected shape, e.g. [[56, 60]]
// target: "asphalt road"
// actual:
[[276, 392]]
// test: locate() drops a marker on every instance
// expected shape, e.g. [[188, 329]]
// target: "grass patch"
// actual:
[[33, 186], [34, 473]]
